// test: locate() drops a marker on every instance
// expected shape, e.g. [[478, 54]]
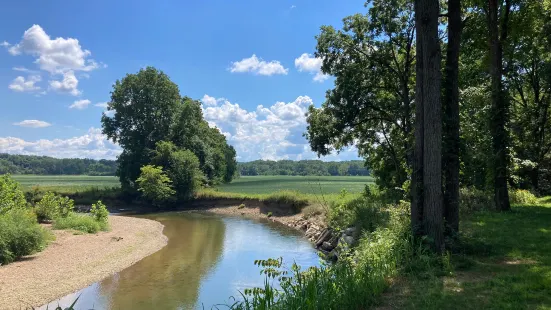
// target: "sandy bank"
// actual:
[[72, 262]]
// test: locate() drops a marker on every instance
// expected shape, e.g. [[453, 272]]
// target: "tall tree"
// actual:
[[496, 12], [450, 159], [427, 201]]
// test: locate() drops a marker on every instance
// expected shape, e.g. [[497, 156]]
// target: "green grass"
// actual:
[[81, 222], [314, 185], [66, 183], [505, 264]]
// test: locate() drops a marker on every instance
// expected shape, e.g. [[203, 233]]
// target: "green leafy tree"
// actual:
[[53, 206], [371, 105], [145, 104], [155, 185], [11, 195]]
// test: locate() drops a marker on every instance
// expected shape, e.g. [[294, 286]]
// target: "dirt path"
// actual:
[[72, 262]]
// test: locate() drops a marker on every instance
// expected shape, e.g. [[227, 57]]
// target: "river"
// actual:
[[208, 259]]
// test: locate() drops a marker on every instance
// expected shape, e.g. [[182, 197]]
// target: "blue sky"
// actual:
[[251, 62]]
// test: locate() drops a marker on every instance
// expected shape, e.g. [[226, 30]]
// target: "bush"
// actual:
[[20, 235], [472, 200], [99, 212], [522, 196], [361, 212], [81, 222], [11, 195], [155, 185], [52, 206]]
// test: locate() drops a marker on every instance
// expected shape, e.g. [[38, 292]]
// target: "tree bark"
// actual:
[[450, 160], [429, 99], [500, 109]]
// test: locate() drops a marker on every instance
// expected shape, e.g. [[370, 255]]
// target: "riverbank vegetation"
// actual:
[[303, 168], [20, 231]]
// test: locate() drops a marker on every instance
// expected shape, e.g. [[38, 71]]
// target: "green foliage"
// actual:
[[100, 213], [269, 214], [155, 184], [53, 206], [81, 222], [359, 212], [241, 206], [44, 165], [182, 168], [20, 235], [522, 196], [158, 113], [11, 195], [303, 168], [472, 200]]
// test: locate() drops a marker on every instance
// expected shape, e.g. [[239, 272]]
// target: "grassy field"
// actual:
[[305, 185], [66, 183]]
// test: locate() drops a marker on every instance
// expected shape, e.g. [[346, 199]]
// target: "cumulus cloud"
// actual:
[[5, 44], [93, 144], [102, 105], [33, 123], [20, 84], [59, 56], [69, 84], [256, 65], [80, 104], [273, 132], [208, 100], [311, 64]]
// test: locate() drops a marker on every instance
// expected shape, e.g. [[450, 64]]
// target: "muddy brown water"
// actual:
[[208, 259]]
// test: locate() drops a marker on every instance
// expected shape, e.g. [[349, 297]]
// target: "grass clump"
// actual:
[[81, 222], [241, 206], [20, 235], [522, 196]]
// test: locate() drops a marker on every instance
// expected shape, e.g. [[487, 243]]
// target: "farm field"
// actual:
[[66, 183], [306, 185], [312, 185]]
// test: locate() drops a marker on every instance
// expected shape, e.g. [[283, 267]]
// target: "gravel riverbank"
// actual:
[[72, 262]]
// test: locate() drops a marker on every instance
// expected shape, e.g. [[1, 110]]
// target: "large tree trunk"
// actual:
[[429, 83], [450, 160], [500, 107]]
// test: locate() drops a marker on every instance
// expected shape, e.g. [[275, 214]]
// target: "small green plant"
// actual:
[[52, 206], [80, 222], [472, 200], [522, 196], [269, 214], [99, 212], [241, 206], [11, 195]]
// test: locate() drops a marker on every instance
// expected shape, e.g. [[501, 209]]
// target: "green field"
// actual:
[[306, 185], [311, 185], [66, 183]]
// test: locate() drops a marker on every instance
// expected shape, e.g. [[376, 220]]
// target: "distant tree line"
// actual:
[[44, 165], [302, 167]]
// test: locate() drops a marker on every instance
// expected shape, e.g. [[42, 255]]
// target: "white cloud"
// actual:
[[293, 6], [59, 56], [102, 105], [312, 65], [5, 44], [21, 84], [93, 144], [80, 104], [256, 65], [69, 84], [208, 101], [33, 123], [273, 132], [23, 69]]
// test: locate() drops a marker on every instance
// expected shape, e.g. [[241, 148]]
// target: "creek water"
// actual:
[[208, 259]]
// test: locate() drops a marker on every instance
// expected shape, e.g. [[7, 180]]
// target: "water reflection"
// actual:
[[207, 259]]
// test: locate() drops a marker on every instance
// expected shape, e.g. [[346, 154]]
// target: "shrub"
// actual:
[[241, 206], [522, 196], [155, 184], [11, 195], [20, 235], [52, 206], [99, 212], [361, 212], [472, 199], [81, 222], [270, 214]]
